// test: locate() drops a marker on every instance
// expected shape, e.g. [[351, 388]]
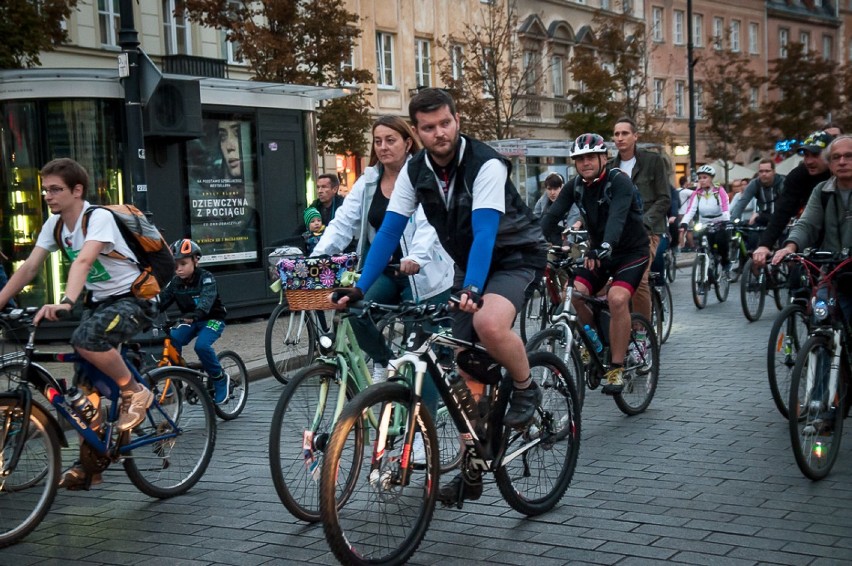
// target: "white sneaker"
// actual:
[[380, 373], [418, 451]]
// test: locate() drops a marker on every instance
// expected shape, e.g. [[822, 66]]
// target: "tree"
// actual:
[[732, 125], [28, 28], [483, 68], [806, 88], [307, 42], [593, 107]]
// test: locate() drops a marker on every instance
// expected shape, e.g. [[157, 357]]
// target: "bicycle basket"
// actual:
[[277, 255], [480, 366], [308, 280]]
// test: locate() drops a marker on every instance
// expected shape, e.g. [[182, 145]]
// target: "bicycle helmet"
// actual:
[[588, 143], [706, 170], [184, 248]]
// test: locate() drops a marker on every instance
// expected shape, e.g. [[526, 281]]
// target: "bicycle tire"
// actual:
[[699, 286], [555, 341], [779, 285], [449, 443], [815, 433], [721, 284], [752, 293], [289, 342], [668, 311], [528, 484], [736, 259], [657, 310], [351, 530], [641, 369], [27, 494], [311, 394], [238, 386], [534, 313], [671, 265], [171, 466], [789, 333]]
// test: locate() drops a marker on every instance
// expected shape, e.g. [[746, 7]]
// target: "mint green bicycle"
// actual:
[[309, 407]]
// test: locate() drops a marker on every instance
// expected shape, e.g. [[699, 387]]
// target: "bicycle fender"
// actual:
[[197, 374], [41, 415]]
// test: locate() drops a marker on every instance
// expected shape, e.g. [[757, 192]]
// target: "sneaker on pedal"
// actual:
[[133, 407], [380, 373], [522, 405], [418, 450], [76, 478], [449, 493], [614, 381], [221, 386]]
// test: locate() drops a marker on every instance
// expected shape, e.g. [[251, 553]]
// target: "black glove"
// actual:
[[473, 294], [354, 293], [603, 252]]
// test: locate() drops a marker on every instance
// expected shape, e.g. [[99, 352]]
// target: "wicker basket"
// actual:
[[308, 299]]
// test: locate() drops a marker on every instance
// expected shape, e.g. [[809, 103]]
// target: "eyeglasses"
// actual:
[[52, 190], [840, 156]]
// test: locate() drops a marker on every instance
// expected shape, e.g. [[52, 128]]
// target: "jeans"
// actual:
[[206, 332], [658, 264]]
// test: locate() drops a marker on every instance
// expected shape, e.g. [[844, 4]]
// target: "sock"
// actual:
[[132, 387], [523, 384]]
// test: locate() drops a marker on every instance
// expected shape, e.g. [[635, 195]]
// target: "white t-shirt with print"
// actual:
[[108, 276]]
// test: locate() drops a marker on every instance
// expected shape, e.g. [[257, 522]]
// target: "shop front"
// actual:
[[234, 174]]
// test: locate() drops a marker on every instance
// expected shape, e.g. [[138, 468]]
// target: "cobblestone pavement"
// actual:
[[705, 476]]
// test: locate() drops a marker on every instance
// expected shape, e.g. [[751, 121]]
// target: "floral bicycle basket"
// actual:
[[308, 280]]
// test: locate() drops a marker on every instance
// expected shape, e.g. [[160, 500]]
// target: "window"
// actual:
[[783, 41], [699, 101], [347, 65], [657, 23], [698, 30], [735, 36], [232, 48], [827, 47], [489, 73], [558, 76], [384, 60], [677, 29], [659, 93], [754, 98], [175, 28], [423, 63], [532, 65], [627, 7], [109, 22], [457, 61], [604, 4], [805, 40], [718, 32], [753, 31], [680, 89]]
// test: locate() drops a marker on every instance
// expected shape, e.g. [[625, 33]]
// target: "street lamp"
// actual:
[[134, 151], [690, 63]]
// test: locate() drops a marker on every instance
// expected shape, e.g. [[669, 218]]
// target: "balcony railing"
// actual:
[[194, 66], [543, 110]]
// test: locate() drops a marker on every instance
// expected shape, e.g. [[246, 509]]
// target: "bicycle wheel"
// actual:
[[780, 290], [534, 312], [671, 265], [449, 442], [816, 414], [641, 369], [238, 386], [383, 522], [656, 310], [789, 332], [534, 482], [172, 465], [721, 284], [301, 427], [290, 341], [736, 258], [668, 311], [699, 285], [555, 341], [752, 292], [27, 493]]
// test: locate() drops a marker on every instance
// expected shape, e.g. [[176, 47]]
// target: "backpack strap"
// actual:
[[84, 226]]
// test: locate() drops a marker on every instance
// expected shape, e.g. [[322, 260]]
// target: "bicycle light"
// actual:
[[698, 227], [326, 342], [820, 309]]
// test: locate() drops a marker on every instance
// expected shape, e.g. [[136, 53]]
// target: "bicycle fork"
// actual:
[[816, 386]]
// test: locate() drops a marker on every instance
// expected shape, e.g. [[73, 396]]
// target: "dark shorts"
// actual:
[[109, 324], [510, 284], [625, 269]]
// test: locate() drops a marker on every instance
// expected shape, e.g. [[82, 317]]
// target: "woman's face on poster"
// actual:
[[229, 144]]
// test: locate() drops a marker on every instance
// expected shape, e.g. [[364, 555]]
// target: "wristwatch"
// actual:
[[66, 301]]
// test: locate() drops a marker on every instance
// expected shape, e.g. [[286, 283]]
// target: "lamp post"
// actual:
[[690, 63], [134, 150]]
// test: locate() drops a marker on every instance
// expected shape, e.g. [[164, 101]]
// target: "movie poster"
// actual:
[[222, 191]]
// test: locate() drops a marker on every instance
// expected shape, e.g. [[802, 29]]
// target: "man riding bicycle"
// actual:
[[612, 214]]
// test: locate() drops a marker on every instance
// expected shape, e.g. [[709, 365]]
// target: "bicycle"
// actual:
[[232, 365], [662, 305], [396, 499], [180, 418], [569, 341], [757, 283], [820, 380], [670, 263], [705, 266]]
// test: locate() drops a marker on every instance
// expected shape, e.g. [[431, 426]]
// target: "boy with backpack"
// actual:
[[99, 279], [194, 291]]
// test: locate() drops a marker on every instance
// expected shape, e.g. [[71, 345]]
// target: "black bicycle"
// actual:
[[388, 505]]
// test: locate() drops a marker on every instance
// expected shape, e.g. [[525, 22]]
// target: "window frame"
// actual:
[[680, 98], [753, 35], [422, 65], [783, 42], [735, 36], [678, 27], [109, 23], [698, 30], [657, 33], [171, 29], [659, 94], [718, 32], [385, 79], [557, 75]]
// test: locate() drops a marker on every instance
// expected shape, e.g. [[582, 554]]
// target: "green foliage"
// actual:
[[807, 91], [594, 109], [299, 42], [28, 27]]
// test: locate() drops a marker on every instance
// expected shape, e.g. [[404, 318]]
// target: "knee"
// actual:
[[488, 328], [618, 299]]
